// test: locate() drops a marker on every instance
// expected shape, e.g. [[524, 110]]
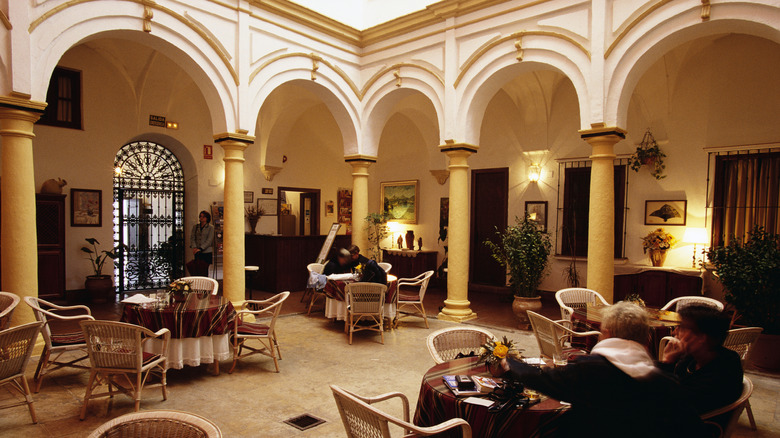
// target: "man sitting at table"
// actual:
[[372, 273], [709, 373], [341, 263], [616, 391]]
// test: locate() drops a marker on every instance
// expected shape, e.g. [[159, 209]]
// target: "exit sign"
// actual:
[[157, 121]]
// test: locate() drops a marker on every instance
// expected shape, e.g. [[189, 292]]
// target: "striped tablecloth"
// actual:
[[196, 315]]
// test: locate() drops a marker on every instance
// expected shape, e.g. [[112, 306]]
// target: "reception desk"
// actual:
[[283, 259]]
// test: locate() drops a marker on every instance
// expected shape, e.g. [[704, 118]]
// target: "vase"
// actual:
[[252, 226], [657, 256], [495, 369], [410, 239], [521, 306]]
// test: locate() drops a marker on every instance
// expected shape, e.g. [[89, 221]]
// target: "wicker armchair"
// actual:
[[733, 410], [8, 303], [312, 293], [680, 302], [405, 299], [361, 420], [576, 298], [446, 343], [741, 340], [117, 349], [365, 300], [203, 283], [16, 346], [263, 329], [385, 266], [159, 424], [552, 335], [57, 344]]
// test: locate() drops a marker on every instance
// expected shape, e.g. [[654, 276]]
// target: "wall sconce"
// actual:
[[696, 236], [534, 172], [172, 125], [118, 170]]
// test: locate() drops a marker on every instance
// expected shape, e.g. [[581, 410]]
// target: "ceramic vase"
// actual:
[[521, 306], [410, 239], [657, 256], [495, 369]]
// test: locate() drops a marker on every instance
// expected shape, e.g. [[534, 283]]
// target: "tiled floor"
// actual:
[[253, 401]]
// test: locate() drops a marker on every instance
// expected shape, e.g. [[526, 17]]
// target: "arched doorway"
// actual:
[[148, 216]]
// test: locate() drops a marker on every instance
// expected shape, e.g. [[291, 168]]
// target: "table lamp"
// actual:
[[394, 227], [695, 236]]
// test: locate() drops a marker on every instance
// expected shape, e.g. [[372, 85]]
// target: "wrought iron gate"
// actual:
[[148, 216]]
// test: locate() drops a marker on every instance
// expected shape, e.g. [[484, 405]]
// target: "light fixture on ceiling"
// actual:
[[696, 236], [534, 172]]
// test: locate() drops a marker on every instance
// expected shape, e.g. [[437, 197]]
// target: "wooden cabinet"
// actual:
[[408, 264], [657, 286], [50, 221]]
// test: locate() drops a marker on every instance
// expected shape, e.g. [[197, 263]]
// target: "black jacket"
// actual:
[[372, 273], [333, 267]]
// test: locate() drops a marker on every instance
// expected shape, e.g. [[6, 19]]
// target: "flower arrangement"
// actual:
[[180, 287], [658, 240], [358, 270], [494, 351], [636, 299], [253, 215]]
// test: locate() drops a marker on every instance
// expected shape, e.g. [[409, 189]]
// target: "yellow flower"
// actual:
[[500, 350]]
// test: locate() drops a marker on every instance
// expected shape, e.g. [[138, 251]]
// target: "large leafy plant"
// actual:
[[97, 257], [523, 249], [376, 228], [750, 272]]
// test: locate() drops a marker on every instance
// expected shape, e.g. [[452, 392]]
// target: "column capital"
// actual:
[[240, 136], [19, 103], [602, 130], [360, 158], [453, 146]]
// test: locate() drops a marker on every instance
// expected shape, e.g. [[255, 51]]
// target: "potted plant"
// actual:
[[99, 287], [648, 154], [253, 215], [750, 273], [523, 250], [657, 242], [376, 228]]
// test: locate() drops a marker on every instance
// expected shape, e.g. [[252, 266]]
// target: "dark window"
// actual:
[[574, 209], [63, 99]]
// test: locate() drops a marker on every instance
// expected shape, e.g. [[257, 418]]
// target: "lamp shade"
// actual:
[[696, 235], [394, 227]]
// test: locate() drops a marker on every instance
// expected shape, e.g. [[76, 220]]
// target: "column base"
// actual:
[[456, 310], [456, 318]]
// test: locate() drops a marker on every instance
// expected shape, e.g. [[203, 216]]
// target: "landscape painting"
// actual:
[[400, 201]]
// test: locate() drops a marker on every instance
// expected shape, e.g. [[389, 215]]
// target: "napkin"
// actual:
[[340, 277], [139, 299]]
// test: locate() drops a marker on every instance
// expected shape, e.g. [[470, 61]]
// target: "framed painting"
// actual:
[[268, 205], [666, 212], [537, 213], [330, 208], [400, 201], [249, 197], [86, 208]]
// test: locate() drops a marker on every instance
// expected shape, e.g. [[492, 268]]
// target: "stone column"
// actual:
[[234, 145], [601, 214], [360, 165], [19, 246], [456, 306]]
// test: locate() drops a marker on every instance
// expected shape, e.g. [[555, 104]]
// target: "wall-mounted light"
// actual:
[[534, 172], [118, 170], [172, 125]]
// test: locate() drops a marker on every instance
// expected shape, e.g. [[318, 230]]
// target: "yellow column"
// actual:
[[456, 306], [360, 165], [234, 145], [601, 215], [19, 246]]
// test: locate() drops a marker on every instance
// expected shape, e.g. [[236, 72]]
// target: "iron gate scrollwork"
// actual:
[[148, 216]]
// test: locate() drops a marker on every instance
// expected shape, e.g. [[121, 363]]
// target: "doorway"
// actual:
[[299, 211], [489, 208]]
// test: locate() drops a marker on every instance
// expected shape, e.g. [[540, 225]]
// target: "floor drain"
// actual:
[[304, 422]]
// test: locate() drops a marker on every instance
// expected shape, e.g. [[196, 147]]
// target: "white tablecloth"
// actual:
[[193, 351], [338, 309]]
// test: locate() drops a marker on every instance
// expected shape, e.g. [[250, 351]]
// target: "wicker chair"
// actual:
[[385, 266], [576, 298], [365, 300], [680, 302], [159, 424], [415, 300], [16, 346], [203, 283], [117, 349], [552, 335], [8, 303], [361, 420], [733, 410], [445, 344], [262, 331], [312, 293], [57, 344], [741, 340]]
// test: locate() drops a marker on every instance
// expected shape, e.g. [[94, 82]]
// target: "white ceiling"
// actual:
[[362, 14]]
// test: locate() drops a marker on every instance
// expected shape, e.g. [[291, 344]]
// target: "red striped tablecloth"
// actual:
[[193, 316]]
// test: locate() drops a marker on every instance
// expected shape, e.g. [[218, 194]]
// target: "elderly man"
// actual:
[[616, 391]]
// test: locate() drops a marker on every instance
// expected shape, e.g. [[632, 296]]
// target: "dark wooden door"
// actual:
[[310, 214], [489, 203]]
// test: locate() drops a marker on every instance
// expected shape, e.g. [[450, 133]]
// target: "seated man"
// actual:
[[709, 373], [372, 273], [616, 391], [338, 264]]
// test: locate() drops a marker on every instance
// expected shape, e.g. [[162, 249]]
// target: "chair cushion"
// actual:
[[408, 296], [67, 338], [250, 328], [150, 357]]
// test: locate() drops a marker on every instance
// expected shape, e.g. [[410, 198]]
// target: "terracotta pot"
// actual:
[[521, 306], [657, 256], [766, 352], [100, 288]]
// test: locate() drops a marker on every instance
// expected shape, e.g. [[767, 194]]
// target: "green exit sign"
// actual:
[[156, 120]]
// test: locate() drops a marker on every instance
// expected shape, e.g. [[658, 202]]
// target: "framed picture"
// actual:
[[666, 212], [330, 208], [86, 208], [268, 191], [537, 212], [249, 197], [400, 201], [344, 198], [268, 205]]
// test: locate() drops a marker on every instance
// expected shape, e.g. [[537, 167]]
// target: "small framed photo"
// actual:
[[249, 197], [400, 201], [330, 208], [666, 212], [268, 206], [86, 208], [268, 191], [537, 213]]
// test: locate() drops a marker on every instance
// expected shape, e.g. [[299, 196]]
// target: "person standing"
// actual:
[[202, 244]]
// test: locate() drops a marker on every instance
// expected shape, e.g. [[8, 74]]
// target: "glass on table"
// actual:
[[560, 359]]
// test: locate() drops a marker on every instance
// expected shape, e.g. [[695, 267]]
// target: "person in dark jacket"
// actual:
[[372, 273], [616, 391], [709, 373], [202, 244], [338, 264]]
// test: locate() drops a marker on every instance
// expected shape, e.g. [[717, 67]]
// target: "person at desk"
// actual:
[[372, 273], [202, 244], [341, 263]]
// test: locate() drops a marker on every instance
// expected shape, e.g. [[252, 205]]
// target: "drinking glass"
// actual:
[[560, 359]]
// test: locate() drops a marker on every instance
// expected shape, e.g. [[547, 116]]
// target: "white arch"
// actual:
[[490, 73], [82, 22], [662, 31]]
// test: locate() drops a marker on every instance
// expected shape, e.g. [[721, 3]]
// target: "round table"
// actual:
[[199, 325], [336, 293], [437, 404]]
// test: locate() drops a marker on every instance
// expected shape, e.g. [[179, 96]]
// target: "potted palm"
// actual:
[[523, 249], [99, 287], [750, 273]]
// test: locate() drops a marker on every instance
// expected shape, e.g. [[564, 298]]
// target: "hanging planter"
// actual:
[[648, 154]]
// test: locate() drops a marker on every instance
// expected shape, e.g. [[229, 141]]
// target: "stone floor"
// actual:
[[254, 400]]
